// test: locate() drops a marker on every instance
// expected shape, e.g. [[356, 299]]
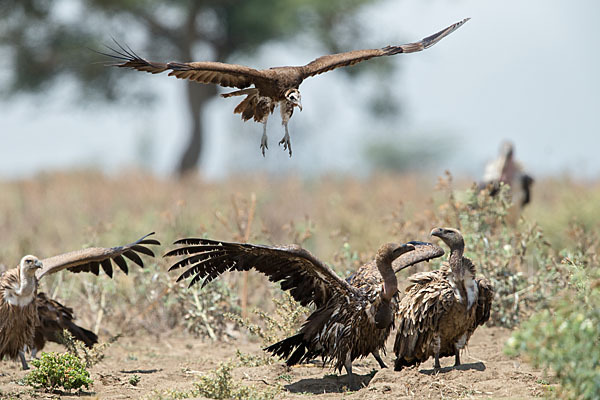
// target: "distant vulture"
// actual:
[[441, 309], [352, 317], [506, 170], [19, 301], [273, 86]]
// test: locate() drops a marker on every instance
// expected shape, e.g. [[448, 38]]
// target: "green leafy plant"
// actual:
[[566, 338], [219, 384], [54, 370]]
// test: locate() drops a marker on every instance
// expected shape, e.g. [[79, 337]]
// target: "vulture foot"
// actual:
[[287, 144], [263, 144], [379, 360]]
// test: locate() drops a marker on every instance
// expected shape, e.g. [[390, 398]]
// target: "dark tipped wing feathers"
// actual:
[[223, 74], [307, 279], [94, 258], [333, 61]]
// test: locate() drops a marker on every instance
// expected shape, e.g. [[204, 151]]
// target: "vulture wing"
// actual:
[[54, 318], [484, 301], [423, 251], [333, 61], [307, 278], [91, 259], [229, 75]]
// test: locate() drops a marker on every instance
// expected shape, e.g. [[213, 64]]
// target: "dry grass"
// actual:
[[341, 220]]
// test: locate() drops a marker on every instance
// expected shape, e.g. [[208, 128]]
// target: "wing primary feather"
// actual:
[[132, 255], [120, 261]]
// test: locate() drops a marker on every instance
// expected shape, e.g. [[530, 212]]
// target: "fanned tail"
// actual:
[[294, 345]]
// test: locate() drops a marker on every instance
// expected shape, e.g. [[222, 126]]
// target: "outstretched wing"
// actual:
[[333, 61], [424, 251], [91, 259], [229, 75], [307, 278]]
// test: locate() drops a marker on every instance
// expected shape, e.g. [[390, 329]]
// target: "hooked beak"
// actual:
[[299, 105], [436, 232], [38, 264]]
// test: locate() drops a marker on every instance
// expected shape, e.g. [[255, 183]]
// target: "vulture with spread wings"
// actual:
[[352, 317], [273, 86], [19, 300]]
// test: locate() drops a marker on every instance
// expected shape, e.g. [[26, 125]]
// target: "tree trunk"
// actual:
[[198, 96]]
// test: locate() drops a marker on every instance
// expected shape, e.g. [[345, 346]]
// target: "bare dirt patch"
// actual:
[[174, 362]]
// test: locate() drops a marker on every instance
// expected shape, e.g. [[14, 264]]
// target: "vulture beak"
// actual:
[[436, 232], [404, 248], [38, 264], [299, 105]]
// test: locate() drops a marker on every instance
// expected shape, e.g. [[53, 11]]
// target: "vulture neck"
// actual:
[[390, 283], [28, 284], [455, 260]]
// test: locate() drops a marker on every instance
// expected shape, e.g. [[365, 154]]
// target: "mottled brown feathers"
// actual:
[[53, 319], [351, 318]]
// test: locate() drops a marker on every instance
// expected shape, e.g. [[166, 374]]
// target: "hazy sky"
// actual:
[[520, 70]]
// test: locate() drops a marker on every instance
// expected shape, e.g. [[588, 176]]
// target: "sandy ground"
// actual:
[[174, 362]]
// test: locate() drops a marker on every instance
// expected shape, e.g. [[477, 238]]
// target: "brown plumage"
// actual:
[[352, 317], [506, 170], [18, 287], [54, 318], [273, 86], [441, 309]]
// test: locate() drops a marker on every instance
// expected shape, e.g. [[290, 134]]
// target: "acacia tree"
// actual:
[[48, 39]]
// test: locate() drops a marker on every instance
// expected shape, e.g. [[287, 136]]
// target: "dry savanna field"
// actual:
[[161, 340]]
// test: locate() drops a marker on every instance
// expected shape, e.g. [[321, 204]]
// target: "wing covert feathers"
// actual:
[[94, 258], [307, 279], [333, 61], [223, 74]]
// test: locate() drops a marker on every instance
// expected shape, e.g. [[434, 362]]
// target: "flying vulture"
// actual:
[[273, 86], [441, 309], [20, 305], [352, 317]]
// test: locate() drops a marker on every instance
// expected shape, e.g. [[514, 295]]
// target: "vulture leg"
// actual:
[[460, 344], [285, 141], [436, 351], [457, 357], [263, 139], [23, 361], [379, 360], [351, 381]]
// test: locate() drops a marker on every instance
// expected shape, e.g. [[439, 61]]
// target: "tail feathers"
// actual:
[[294, 345], [89, 338]]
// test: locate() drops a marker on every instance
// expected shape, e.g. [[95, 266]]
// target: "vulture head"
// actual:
[[452, 237], [293, 96], [29, 264], [390, 251]]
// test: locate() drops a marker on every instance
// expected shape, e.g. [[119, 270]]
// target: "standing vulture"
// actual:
[[352, 317], [441, 309], [273, 86], [505, 169], [19, 301]]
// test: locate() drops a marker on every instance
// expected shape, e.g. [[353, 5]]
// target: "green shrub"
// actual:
[[55, 370], [219, 384], [566, 340]]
